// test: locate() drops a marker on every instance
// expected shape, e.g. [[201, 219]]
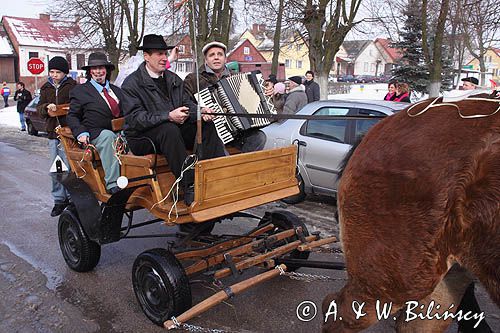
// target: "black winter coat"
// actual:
[[146, 106], [312, 91], [23, 98], [49, 94], [89, 112]]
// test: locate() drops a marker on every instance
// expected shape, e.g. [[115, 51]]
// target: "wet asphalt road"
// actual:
[[39, 293]]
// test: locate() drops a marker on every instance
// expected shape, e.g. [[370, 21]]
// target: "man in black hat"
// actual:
[[93, 106], [470, 83], [209, 73], [157, 109], [297, 97]]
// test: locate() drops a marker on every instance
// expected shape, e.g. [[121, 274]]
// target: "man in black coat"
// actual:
[[23, 98], [157, 109], [93, 105], [312, 88]]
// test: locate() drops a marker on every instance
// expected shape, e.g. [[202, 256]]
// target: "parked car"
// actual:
[[346, 78], [323, 144], [365, 79], [34, 122]]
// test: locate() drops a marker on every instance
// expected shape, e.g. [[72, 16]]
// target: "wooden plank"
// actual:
[[222, 296], [263, 257], [311, 245], [233, 207]]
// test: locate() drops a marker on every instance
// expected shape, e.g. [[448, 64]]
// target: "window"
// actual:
[[181, 49], [372, 68], [246, 50], [363, 125], [288, 63], [365, 67], [32, 55], [181, 67], [68, 59], [299, 63], [298, 47], [80, 61], [331, 130]]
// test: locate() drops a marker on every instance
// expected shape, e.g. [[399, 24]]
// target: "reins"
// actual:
[[433, 104]]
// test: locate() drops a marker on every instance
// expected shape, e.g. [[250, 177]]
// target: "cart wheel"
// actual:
[[80, 253], [299, 197], [31, 128], [283, 220], [160, 285]]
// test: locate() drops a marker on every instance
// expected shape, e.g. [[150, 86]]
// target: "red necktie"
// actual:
[[115, 110]]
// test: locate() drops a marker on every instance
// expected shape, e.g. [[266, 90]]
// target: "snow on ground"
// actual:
[[364, 91], [9, 116]]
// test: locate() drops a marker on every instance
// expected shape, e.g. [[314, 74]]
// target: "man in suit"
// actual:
[[93, 105], [157, 109]]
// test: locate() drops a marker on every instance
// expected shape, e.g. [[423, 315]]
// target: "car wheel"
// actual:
[[294, 199], [31, 128], [80, 253], [160, 285]]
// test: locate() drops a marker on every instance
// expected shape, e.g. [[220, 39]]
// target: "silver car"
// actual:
[[324, 143]]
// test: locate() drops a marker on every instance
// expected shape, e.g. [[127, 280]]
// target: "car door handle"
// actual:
[[301, 143]]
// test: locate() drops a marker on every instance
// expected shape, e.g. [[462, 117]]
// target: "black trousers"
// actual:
[[172, 140]]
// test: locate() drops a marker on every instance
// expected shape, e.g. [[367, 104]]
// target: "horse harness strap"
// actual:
[[433, 104]]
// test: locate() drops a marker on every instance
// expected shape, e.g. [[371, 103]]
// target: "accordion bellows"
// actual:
[[241, 93]]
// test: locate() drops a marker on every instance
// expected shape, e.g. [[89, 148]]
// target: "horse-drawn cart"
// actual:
[[224, 188]]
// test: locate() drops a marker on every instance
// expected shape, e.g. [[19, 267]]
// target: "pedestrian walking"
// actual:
[[391, 94], [402, 93], [23, 98], [5, 92]]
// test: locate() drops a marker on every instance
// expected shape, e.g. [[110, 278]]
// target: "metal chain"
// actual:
[[194, 328], [307, 277], [327, 250], [199, 329]]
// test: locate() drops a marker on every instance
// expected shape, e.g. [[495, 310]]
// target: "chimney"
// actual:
[[255, 27], [45, 17], [262, 27]]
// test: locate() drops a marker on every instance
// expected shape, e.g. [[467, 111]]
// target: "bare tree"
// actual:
[[433, 47], [481, 27], [327, 23], [135, 14], [214, 20]]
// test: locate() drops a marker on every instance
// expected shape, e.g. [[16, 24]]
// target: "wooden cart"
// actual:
[[224, 187]]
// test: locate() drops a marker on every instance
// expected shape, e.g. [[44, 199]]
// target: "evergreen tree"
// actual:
[[411, 68]]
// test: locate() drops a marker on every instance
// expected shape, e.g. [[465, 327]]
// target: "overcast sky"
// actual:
[[22, 8]]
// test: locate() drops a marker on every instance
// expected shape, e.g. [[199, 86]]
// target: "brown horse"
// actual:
[[419, 194]]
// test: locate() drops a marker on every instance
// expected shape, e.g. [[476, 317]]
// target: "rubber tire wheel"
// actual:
[[284, 220], [80, 253], [191, 226], [160, 285], [294, 199], [31, 128]]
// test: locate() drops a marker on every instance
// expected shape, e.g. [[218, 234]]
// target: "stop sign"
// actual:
[[35, 66]]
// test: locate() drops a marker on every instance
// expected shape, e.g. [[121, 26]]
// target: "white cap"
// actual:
[[213, 44]]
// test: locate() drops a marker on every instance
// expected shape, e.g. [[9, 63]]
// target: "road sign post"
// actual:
[[35, 67]]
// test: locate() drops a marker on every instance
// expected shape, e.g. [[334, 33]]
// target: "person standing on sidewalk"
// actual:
[[54, 92], [23, 98], [5, 92]]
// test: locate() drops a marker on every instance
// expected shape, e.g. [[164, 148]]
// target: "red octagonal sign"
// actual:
[[35, 66]]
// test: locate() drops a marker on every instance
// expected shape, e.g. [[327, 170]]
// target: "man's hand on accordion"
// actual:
[[205, 116], [179, 115]]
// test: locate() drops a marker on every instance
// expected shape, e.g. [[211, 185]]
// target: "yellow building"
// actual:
[[492, 61], [294, 52]]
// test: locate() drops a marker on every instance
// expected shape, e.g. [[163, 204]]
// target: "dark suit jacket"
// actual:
[[89, 112]]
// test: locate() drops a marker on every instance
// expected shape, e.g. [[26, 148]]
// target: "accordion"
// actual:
[[239, 93]]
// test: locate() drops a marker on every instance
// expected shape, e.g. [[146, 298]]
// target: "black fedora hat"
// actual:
[[154, 42], [98, 59], [471, 79]]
